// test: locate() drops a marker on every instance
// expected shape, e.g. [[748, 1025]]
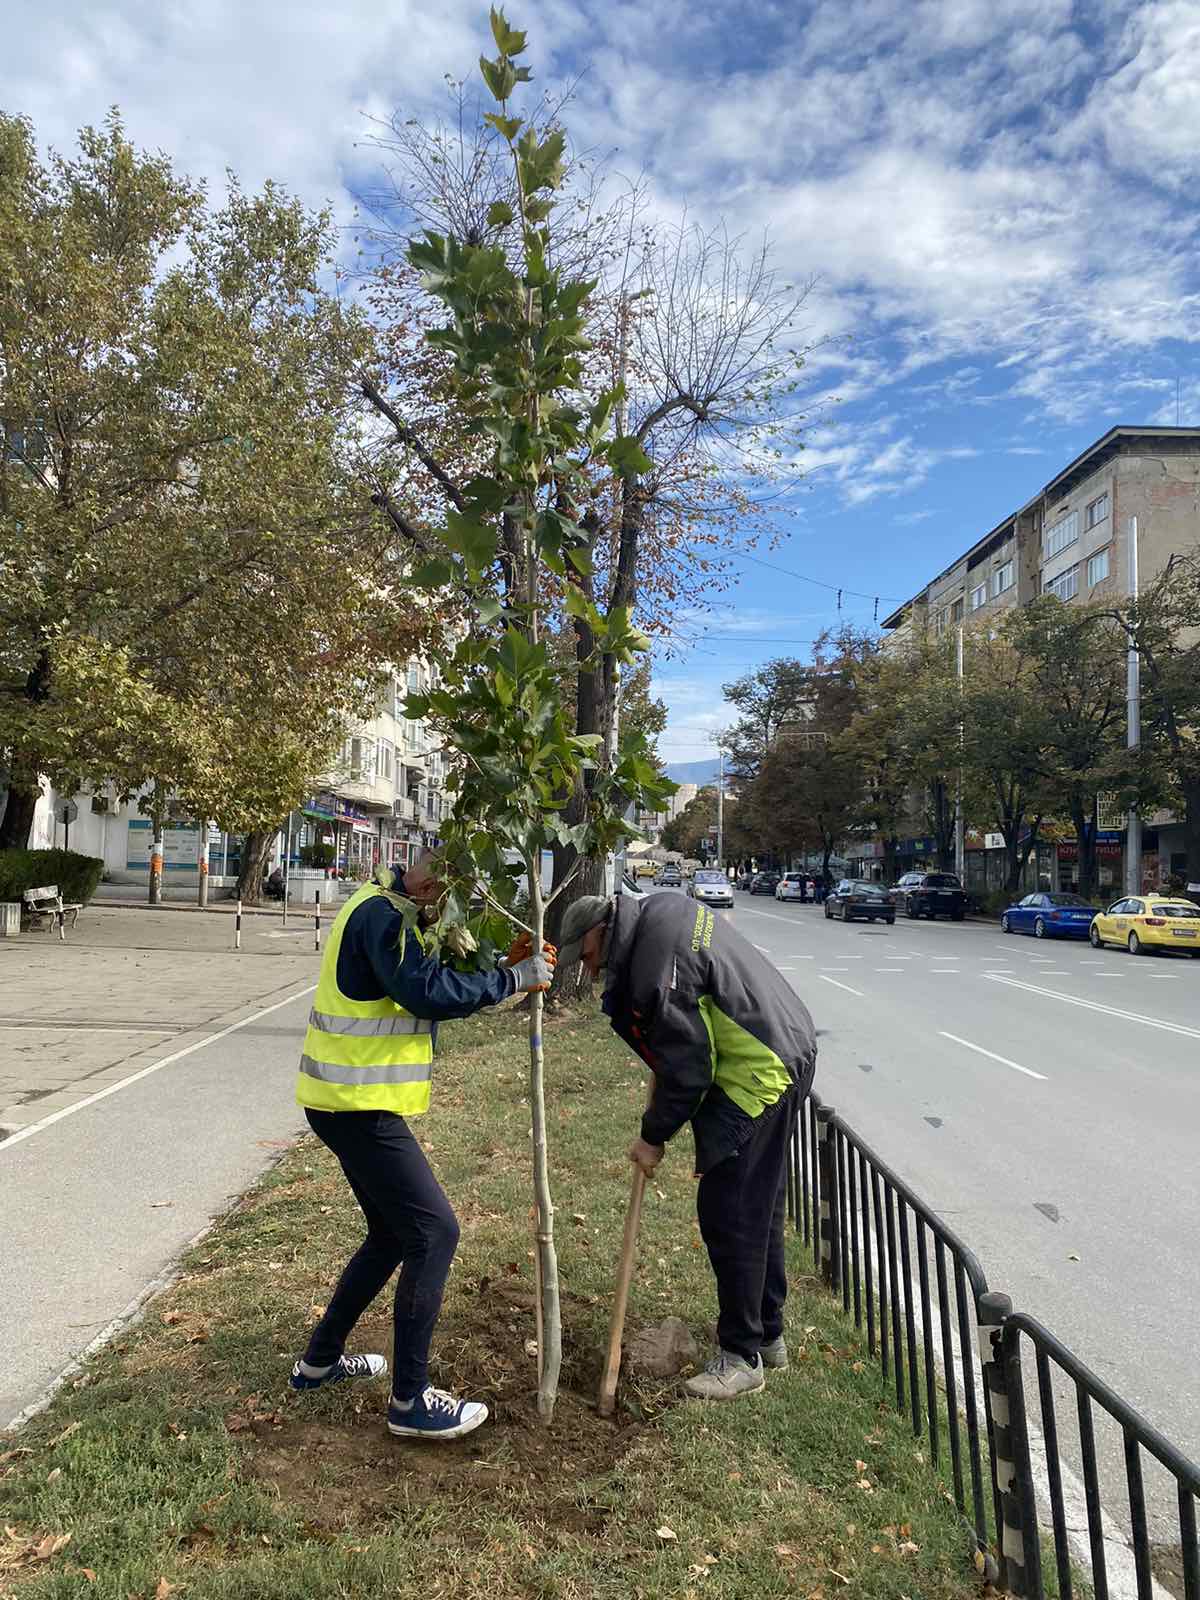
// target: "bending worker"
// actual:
[[733, 1050], [367, 1066]]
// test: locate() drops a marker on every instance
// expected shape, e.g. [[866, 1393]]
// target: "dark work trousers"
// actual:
[[409, 1225], [741, 1203]]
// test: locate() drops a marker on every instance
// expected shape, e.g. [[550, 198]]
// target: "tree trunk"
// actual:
[[256, 847], [1085, 840], [23, 793], [1012, 851], [890, 846], [157, 822], [1191, 828], [549, 1323]]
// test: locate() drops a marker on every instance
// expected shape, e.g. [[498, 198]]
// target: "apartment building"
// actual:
[[384, 800], [1073, 539]]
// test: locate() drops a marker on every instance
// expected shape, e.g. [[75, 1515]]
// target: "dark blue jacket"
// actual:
[[370, 965]]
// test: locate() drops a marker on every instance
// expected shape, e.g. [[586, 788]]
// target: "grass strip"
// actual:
[[180, 1463]]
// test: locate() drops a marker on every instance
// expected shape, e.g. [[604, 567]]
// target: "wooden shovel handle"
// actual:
[[612, 1366]]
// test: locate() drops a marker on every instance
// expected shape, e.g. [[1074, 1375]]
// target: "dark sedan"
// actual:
[[855, 897], [1050, 916], [764, 883]]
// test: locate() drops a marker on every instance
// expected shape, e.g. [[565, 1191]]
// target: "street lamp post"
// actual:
[[1133, 725], [721, 809]]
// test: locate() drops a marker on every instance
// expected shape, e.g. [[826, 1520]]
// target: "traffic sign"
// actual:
[[67, 811]]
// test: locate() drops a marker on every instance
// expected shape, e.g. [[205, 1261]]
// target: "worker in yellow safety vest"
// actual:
[[367, 1066]]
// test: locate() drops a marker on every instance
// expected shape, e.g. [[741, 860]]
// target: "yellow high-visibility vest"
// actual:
[[362, 1055]]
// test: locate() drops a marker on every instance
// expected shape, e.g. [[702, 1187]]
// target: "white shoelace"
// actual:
[[438, 1400], [356, 1366]]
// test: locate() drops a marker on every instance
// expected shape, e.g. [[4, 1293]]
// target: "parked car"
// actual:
[[792, 886], [670, 877], [855, 897], [764, 883], [1147, 924], [710, 886], [1050, 916], [930, 894]]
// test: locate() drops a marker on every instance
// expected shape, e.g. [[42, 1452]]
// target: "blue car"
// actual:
[[1050, 916]]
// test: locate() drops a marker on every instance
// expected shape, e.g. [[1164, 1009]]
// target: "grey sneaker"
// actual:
[[774, 1355], [725, 1378]]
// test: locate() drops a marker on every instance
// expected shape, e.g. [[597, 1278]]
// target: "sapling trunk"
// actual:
[[549, 1312]]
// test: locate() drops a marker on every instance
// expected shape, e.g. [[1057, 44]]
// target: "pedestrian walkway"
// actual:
[[126, 986]]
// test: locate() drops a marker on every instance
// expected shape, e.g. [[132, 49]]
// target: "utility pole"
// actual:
[[721, 810], [960, 834], [1133, 726]]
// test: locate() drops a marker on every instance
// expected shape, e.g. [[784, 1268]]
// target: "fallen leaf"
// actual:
[[163, 1589], [578, 1217], [235, 1422], [860, 1467], [666, 1533], [158, 1205], [852, 1528], [53, 1477], [865, 1485], [73, 1427], [908, 1548], [531, 1348], [11, 1455], [89, 1573], [51, 1545], [840, 1576], [170, 1318]]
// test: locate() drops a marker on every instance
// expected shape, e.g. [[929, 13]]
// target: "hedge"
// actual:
[[75, 875]]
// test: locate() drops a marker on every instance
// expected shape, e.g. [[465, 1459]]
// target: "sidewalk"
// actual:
[[128, 984]]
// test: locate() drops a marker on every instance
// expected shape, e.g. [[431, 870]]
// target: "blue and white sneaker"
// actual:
[[434, 1414], [344, 1367]]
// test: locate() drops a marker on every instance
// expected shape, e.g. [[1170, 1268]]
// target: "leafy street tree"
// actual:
[[693, 337], [515, 335], [191, 580], [1077, 662], [688, 833], [766, 700], [1164, 624]]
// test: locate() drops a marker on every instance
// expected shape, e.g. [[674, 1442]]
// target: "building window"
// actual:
[[1002, 578], [1096, 512], [362, 760], [383, 760], [979, 597], [1063, 533], [957, 611], [414, 677], [1097, 569], [1065, 586]]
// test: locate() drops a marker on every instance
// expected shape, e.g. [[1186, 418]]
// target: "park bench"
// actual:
[[48, 903]]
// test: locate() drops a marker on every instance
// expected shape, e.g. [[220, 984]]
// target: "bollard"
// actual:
[[1012, 1474], [826, 1170], [237, 927], [317, 942], [62, 927]]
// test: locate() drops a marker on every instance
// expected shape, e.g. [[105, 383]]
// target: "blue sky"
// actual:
[[996, 198]]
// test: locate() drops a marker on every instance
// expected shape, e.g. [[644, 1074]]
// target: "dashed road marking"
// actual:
[[844, 986], [992, 1056]]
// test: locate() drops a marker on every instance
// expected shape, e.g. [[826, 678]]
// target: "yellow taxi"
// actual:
[[1146, 923]]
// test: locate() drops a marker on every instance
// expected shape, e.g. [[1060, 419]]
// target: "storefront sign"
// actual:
[[181, 846], [993, 841]]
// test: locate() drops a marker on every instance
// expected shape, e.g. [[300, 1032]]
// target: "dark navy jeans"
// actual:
[[741, 1204], [409, 1225]]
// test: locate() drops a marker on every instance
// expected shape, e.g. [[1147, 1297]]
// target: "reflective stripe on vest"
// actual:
[[330, 1072], [368, 1027], [362, 1055]]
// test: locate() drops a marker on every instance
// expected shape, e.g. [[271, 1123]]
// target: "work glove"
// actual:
[[533, 975]]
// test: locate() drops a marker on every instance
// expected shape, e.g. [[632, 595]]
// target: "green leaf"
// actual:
[[500, 77], [489, 608], [500, 214], [509, 41], [507, 127], [578, 605], [474, 541], [431, 575], [628, 458], [578, 556]]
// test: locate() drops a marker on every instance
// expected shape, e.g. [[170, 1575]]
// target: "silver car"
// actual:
[[792, 886], [711, 886]]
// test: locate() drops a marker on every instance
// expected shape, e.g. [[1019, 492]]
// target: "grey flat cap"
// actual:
[[588, 912]]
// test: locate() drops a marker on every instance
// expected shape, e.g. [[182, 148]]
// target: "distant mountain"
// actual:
[[700, 772]]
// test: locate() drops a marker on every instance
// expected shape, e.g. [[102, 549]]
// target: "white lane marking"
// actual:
[[835, 969], [824, 979], [1056, 974], [992, 1056], [155, 1066], [889, 969], [764, 948], [1093, 1005], [21, 1026], [292, 933]]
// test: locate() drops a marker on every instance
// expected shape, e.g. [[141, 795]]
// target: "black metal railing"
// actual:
[[951, 1349]]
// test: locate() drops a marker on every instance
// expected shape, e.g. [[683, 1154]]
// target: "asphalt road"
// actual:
[[98, 1204], [1044, 1098]]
